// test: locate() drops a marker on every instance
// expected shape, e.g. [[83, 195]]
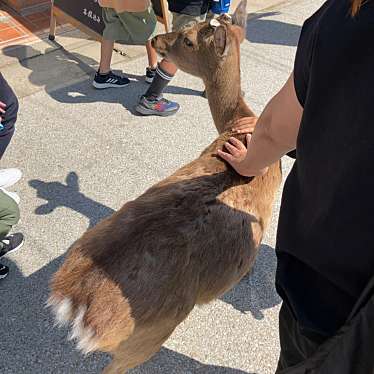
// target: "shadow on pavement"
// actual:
[[42, 75], [31, 344], [167, 361], [68, 195], [256, 291], [265, 31], [128, 97]]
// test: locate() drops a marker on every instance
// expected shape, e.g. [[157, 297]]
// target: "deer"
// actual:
[[128, 282]]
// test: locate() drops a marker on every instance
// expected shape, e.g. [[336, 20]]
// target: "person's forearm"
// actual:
[[269, 142], [275, 134]]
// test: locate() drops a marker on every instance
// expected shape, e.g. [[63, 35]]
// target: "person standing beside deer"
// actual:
[[325, 233]]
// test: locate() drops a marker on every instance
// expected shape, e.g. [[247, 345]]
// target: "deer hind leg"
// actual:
[[138, 348]]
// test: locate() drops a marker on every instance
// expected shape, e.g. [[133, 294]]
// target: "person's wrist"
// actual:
[[247, 172]]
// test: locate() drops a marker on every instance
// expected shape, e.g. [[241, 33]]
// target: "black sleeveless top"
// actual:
[[325, 240]]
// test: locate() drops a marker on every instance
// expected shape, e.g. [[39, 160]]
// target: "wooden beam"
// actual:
[[52, 25], [165, 12]]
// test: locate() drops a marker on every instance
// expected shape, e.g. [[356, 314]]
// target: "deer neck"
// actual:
[[225, 96]]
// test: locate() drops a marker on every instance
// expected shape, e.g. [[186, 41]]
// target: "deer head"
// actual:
[[211, 51], [203, 48]]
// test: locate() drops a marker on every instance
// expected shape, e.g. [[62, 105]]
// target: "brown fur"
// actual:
[[186, 240]]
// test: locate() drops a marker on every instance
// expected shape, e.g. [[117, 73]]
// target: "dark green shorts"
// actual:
[[129, 28], [9, 213]]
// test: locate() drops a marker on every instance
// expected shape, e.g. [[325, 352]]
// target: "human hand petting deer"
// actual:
[[237, 150], [236, 156], [274, 134]]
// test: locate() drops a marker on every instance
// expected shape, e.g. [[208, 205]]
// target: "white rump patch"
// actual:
[[62, 309], [85, 336]]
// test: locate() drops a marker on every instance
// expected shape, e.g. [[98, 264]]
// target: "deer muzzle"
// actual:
[[163, 43]]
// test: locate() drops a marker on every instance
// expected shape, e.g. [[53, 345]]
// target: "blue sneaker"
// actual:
[[157, 106]]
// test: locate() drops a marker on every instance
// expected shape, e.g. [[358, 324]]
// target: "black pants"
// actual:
[[348, 351], [296, 347], [9, 119]]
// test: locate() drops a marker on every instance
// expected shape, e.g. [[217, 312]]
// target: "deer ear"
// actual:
[[221, 41], [239, 19]]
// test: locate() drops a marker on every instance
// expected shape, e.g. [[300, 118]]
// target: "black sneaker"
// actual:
[[150, 74], [109, 80], [4, 271], [11, 243]]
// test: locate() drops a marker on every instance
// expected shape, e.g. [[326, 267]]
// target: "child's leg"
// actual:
[[152, 102], [104, 78], [152, 55], [165, 72], [168, 67], [106, 56], [150, 71]]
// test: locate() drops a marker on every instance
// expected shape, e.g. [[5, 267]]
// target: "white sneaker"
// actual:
[[12, 195], [8, 177]]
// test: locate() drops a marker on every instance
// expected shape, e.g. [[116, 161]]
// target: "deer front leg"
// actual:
[[139, 347]]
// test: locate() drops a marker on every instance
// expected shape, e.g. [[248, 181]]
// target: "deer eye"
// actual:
[[188, 42]]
